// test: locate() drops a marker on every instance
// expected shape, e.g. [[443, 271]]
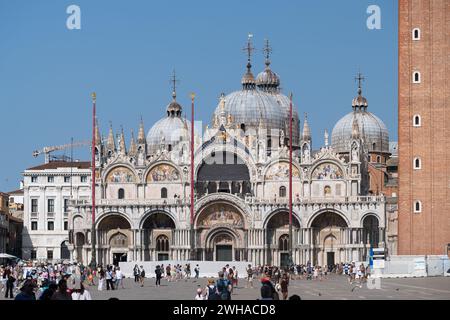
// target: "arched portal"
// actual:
[[115, 239], [65, 253], [277, 238], [221, 230], [328, 232], [371, 231], [157, 233], [223, 172], [79, 243]]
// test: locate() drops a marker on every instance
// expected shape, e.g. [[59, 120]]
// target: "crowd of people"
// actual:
[[71, 281]]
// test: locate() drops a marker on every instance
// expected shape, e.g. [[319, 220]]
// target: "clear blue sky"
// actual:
[[126, 51]]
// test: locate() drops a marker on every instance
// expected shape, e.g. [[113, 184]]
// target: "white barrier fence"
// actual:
[[207, 268], [414, 266]]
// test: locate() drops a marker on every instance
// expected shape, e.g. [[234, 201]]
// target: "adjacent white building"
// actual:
[[47, 191]]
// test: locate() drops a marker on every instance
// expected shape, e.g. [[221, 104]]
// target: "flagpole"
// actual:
[[290, 180], [93, 236], [192, 180]]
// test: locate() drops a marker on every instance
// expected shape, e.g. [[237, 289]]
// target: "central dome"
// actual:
[[252, 107]]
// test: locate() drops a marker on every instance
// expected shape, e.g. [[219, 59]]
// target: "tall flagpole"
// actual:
[[290, 180], [93, 236], [192, 179]]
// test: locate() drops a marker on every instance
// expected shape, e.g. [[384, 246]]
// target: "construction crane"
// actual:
[[48, 150]]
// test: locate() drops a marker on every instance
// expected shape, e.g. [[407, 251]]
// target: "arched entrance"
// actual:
[[277, 238], [371, 234], [157, 230], [223, 172], [65, 253], [79, 243], [220, 228], [115, 239], [328, 230]]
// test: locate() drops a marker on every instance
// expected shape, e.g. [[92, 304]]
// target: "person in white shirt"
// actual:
[[119, 277], [80, 293]]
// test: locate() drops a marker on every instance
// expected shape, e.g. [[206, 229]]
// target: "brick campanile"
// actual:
[[424, 126]]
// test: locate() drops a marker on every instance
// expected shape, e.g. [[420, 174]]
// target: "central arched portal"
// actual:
[[115, 240], [221, 231], [328, 239], [157, 233]]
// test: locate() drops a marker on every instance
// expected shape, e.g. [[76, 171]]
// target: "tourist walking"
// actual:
[[284, 284], [119, 278], [101, 279], [80, 293], [109, 278], [211, 292], [224, 287], [249, 277], [142, 276], [9, 283], [158, 273], [136, 273], [197, 271]]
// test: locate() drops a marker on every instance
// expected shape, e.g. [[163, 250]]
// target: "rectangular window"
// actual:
[[34, 179], [66, 225], [83, 178], [33, 254], [34, 225], [50, 179], [50, 205], [66, 205], [34, 205], [50, 254], [50, 225], [66, 179]]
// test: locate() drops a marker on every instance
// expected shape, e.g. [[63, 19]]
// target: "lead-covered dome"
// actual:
[[252, 108], [372, 129], [170, 130]]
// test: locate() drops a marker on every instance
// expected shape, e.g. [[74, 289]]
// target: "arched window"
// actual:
[[282, 192], [162, 243], [170, 147], [417, 163], [417, 121], [269, 143], [283, 243], [416, 77], [243, 127], [417, 206], [163, 193], [374, 146], [378, 159], [416, 34], [121, 194]]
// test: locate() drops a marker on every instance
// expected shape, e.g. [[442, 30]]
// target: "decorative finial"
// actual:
[[249, 48], [192, 95], [267, 51], [305, 115], [326, 137], [360, 79], [174, 81]]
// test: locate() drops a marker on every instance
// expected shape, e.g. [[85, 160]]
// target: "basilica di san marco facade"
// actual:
[[241, 174]]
